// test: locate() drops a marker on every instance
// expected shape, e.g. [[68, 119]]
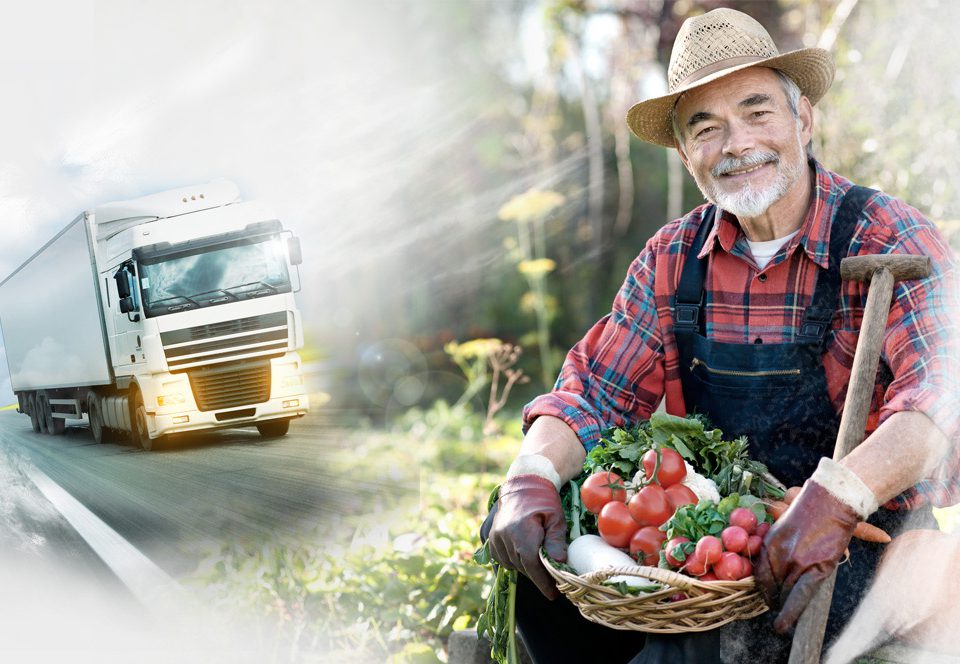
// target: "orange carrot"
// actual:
[[776, 508], [790, 494], [870, 533], [864, 531]]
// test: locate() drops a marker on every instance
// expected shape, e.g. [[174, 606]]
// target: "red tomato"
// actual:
[[734, 538], [645, 545], [600, 488], [650, 506], [695, 565], [615, 524], [754, 542], [678, 495], [729, 567], [709, 549], [744, 518], [761, 530], [669, 550], [671, 470]]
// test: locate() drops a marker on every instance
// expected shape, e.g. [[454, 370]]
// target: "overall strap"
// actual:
[[817, 317], [689, 300]]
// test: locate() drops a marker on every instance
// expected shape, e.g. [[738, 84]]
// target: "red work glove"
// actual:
[[801, 550], [529, 516]]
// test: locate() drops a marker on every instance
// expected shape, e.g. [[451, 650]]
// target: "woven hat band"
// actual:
[[720, 65]]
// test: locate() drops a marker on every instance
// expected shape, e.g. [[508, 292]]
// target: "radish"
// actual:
[[709, 549], [744, 518], [734, 538], [729, 567], [589, 553]]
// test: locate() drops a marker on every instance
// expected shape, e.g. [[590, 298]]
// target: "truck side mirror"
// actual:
[[126, 304], [293, 248], [123, 285]]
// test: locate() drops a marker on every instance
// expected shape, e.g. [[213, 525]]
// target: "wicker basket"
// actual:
[[708, 605]]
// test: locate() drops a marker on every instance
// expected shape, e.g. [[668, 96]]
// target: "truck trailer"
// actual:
[[169, 313]]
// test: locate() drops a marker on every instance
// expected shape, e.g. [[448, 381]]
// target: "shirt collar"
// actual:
[[814, 235]]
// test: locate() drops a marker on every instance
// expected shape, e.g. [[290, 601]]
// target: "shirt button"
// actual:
[[762, 277], [758, 340]]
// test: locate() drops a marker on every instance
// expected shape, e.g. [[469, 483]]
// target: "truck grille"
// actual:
[[263, 336], [231, 384]]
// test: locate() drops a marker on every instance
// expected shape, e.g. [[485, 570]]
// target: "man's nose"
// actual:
[[740, 140]]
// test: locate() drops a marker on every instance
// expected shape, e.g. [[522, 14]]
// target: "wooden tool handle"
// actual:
[[902, 266], [808, 638]]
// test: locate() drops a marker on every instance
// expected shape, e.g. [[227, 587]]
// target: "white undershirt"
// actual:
[[763, 252]]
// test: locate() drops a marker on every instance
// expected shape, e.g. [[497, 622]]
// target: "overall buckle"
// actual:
[[686, 316], [816, 322]]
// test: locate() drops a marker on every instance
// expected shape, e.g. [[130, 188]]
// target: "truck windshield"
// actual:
[[214, 275]]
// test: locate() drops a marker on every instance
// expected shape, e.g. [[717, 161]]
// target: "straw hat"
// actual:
[[714, 45]]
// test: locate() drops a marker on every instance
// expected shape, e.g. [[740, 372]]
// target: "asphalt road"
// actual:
[[220, 486]]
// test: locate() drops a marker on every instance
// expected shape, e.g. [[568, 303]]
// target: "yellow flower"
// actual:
[[475, 348], [537, 268], [531, 205]]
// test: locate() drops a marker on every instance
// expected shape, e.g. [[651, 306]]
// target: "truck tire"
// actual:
[[31, 403], [273, 428], [38, 399], [96, 419], [140, 433], [54, 425]]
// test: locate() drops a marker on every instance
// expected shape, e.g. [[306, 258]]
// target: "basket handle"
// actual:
[[665, 576]]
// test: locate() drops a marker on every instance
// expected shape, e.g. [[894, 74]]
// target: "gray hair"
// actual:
[[790, 89]]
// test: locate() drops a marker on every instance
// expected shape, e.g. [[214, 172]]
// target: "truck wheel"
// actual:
[[141, 435], [274, 428], [96, 421], [38, 401], [54, 425], [34, 414]]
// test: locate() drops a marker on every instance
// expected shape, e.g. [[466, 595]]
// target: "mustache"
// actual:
[[729, 164]]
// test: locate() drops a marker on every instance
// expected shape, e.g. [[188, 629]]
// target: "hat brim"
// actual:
[[811, 68]]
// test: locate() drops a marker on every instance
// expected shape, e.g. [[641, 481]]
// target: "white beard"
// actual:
[[751, 202]]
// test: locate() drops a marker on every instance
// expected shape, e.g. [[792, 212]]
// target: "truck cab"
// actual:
[[197, 291]]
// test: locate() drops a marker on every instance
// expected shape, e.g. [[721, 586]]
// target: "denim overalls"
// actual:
[[776, 395]]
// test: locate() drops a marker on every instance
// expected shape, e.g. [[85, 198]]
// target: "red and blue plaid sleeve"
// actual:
[[921, 342]]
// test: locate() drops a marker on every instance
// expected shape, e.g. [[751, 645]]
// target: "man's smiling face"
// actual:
[[742, 142]]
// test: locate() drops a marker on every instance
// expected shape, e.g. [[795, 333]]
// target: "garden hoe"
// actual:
[[881, 271]]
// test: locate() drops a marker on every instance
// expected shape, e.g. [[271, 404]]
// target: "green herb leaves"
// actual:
[[724, 461]]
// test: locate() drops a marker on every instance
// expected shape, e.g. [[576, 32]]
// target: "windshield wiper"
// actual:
[[251, 283], [173, 297], [216, 290]]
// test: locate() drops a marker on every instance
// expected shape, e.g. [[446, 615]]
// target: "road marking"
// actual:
[[148, 583]]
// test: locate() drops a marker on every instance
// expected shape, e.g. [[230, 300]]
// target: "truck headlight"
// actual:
[[294, 380], [171, 399]]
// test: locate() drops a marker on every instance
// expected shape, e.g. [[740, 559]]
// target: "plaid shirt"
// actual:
[[619, 372]]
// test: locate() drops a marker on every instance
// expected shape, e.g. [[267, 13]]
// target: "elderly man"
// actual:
[[737, 311]]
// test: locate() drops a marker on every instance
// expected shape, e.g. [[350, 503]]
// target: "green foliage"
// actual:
[[387, 584], [724, 461], [695, 521], [450, 438]]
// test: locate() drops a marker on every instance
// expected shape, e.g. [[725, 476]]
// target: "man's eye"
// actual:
[[704, 131], [758, 114]]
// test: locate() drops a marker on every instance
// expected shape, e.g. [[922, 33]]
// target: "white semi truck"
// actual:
[[169, 313]]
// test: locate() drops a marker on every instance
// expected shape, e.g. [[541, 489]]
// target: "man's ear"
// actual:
[[805, 116]]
